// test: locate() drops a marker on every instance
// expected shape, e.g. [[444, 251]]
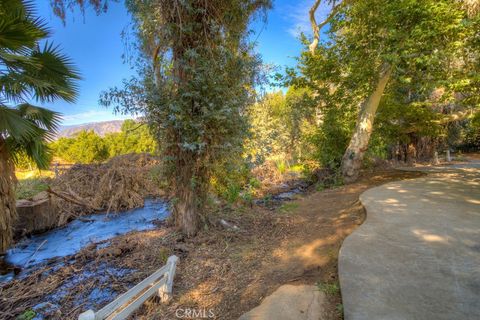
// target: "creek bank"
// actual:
[[36, 250]]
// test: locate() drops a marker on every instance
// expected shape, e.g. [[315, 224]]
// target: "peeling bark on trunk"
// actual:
[[8, 212], [352, 159]]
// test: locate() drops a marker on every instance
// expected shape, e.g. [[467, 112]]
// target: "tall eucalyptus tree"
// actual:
[[196, 76]]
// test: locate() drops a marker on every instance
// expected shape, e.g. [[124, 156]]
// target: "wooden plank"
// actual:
[[135, 303], [124, 298], [161, 281], [165, 292]]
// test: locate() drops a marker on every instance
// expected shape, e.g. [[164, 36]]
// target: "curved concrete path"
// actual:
[[417, 255]]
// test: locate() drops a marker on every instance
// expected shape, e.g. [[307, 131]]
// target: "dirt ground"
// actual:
[[221, 271], [231, 272]]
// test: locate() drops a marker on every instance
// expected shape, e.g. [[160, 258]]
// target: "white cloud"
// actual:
[[84, 115], [297, 16], [91, 116]]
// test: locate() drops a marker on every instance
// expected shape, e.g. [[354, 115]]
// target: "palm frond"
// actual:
[[35, 149], [13, 87], [57, 71], [14, 126], [28, 71], [18, 28], [43, 118]]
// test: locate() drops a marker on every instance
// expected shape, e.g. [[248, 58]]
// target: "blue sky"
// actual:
[[94, 44]]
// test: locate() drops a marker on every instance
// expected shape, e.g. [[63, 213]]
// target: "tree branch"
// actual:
[[447, 118], [317, 27], [73, 199], [457, 116]]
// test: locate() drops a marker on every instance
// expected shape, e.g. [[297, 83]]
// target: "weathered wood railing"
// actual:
[[160, 281]]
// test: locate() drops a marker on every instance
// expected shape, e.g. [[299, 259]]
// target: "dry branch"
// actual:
[[71, 198], [317, 27], [120, 184]]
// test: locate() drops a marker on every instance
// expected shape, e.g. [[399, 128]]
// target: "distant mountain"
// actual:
[[100, 128]]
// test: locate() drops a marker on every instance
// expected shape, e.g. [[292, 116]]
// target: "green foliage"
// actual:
[[23, 161], [163, 255], [364, 37], [333, 135], [329, 288], [157, 177], [279, 125], [88, 147], [288, 207], [85, 147], [332, 181], [27, 315], [230, 179], [194, 91], [29, 71], [134, 138], [339, 308], [469, 135], [249, 190]]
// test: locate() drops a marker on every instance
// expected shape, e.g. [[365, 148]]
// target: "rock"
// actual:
[[290, 302], [228, 225], [286, 195]]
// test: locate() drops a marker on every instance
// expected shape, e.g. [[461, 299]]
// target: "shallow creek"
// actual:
[[55, 246], [79, 233]]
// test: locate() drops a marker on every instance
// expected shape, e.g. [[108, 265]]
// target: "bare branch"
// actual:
[[317, 27]]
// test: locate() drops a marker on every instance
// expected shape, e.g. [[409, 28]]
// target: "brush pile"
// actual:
[[122, 183]]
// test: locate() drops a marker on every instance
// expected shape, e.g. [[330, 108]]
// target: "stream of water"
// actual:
[[32, 253], [79, 233]]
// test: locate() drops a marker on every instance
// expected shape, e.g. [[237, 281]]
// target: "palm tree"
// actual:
[[28, 72]]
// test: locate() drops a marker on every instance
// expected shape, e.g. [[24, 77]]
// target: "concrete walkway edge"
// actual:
[[417, 255]]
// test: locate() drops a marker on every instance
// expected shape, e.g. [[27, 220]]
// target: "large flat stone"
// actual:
[[290, 302], [417, 255]]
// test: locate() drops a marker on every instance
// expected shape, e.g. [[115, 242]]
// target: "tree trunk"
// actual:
[[189, 190], [8, 212], [352, 159], [411, 154], [435, 158], [186, 212]]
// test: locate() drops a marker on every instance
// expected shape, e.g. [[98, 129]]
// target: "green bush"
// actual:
[[88, 147], [85, 147], [229, 179]]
